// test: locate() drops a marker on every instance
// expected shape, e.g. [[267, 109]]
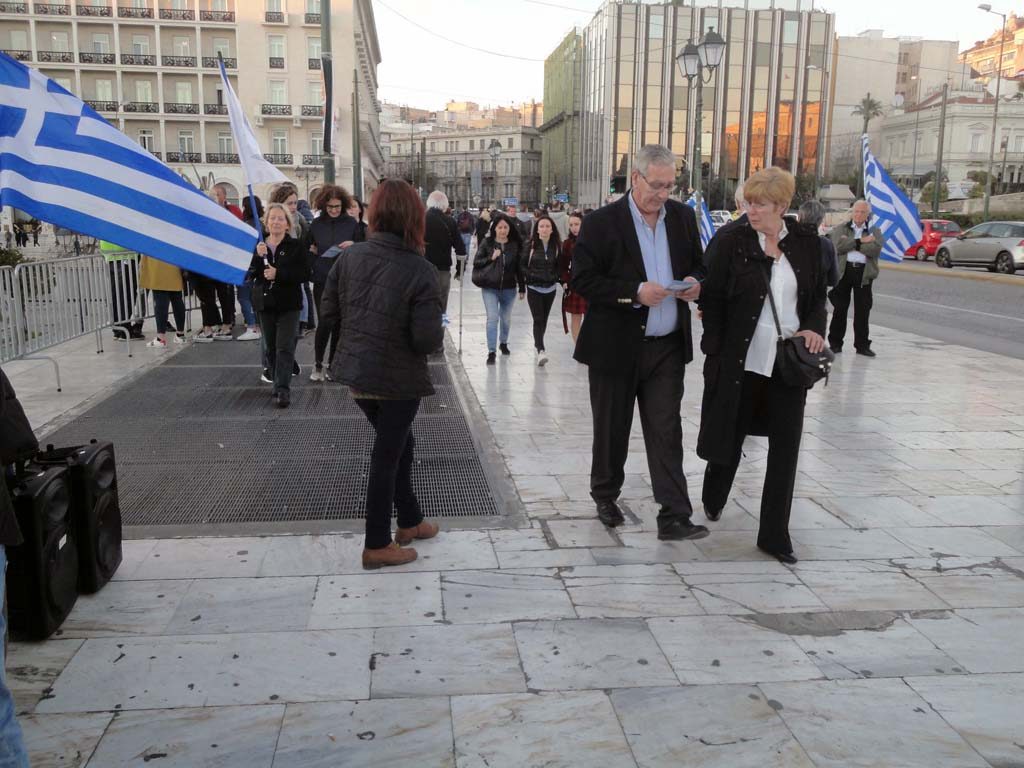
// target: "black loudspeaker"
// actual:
[[95, 511], [42, 572]]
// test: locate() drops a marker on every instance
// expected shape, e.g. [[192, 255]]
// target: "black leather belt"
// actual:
[[666, 337], [856, 264]]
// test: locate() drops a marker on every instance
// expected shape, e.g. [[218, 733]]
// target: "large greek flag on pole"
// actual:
[[64, 164], [891, 210], [255, 166], [704, 222]]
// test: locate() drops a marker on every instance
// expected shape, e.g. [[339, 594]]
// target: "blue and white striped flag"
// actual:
[[891, 210], [64, 164], [704, 222]]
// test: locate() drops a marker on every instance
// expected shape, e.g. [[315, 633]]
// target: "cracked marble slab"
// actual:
[[980, 639], [347, 601], [628, 591], [580, 533], [32, 669], [735, 594], [488, 597], [62, 741], [243, 605], [126, 608]]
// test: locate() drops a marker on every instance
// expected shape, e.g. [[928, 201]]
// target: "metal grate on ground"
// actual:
[[198, 442]]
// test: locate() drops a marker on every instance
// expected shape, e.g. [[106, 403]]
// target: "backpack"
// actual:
[[465, 222]]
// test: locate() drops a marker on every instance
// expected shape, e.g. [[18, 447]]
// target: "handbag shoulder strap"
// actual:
[[765, 273]]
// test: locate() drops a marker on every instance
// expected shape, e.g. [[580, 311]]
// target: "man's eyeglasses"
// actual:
[[332, 207], [657, 187]]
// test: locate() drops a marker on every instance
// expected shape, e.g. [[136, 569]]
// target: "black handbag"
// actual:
[[797, 365], [489, 275]]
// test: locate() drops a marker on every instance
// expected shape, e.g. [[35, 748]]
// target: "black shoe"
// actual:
[[714, 515], [504, 349], [865, 352], [295, 369], [608, 512], [284, 399], [491, 358], [680, 530], [787, 558], [837, 350]]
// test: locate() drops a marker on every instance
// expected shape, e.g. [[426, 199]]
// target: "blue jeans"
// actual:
[[245, 301], [12, 748], [498, 303]]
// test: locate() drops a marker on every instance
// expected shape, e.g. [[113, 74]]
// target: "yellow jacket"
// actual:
[[157, 275]]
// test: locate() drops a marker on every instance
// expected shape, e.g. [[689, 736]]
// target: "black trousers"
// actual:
[[540, 308], [850, 283], [162, 300], [280, 337], [124, 289], [657, 386], [325, 334], [390, 482], [778, 411], [311, 305], [210, 292]]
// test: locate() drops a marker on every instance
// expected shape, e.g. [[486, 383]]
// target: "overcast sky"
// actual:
[[512, 37]]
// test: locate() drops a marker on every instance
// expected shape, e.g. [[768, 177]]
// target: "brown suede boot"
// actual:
[[425, 530], [392, 554]]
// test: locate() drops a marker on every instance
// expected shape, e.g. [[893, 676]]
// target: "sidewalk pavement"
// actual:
[[896, 641]]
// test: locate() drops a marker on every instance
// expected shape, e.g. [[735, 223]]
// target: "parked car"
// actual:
[[998, 245], [935, 231], [720, 218]]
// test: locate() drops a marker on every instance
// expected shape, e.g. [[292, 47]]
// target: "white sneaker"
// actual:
[[542, 358], [251, 334], [317, 375], [203, 338], [179, 338], [157, 343]]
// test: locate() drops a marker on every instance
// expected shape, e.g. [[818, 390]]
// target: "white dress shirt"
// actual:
[[856, 257], [762, 349]]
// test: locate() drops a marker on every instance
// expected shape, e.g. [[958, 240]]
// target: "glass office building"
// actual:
[[766, 104]]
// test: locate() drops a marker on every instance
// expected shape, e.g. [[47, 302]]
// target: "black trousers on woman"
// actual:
[[767, 407], [390, 482], [325, 334], [280, 337], [540, 308]]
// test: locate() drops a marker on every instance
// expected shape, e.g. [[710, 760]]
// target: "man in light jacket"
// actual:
[[858, 246]]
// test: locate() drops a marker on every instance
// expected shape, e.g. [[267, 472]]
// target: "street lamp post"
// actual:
[[692, 59], [494, 150], [995, 112], [917, 119]]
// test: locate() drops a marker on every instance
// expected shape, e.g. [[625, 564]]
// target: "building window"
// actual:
[[140, 45], [274, 6], [316, 143], [182, 46], [219, 5], [471, 143], [104, 90], [279, 141], [19, 40], [312, 6], [59, 42], [144, 91], [976, 142], [275, 46], [100, 42], [183, 92], [315, 91], [313, 47], [511, 143], [146, 139], [222, 45], [432, 146], [186, 141], [1018, 144], [225, 143], [277, 92]]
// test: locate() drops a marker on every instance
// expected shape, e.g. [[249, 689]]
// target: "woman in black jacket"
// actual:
[[542, 277], [279, 269], [384, 296], [332, 231], [498, 271], [743, 392]]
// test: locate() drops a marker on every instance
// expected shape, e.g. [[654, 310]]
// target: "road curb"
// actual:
[[940, 272]]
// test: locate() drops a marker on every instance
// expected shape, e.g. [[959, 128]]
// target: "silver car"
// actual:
[[998, 245]]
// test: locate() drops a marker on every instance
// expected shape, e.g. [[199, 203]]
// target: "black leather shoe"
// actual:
[[284, 399], [680, 530], [490, 358], [504, 349], [865, 352], [787, 558], [608, 512], [714, 515], [837, 350]]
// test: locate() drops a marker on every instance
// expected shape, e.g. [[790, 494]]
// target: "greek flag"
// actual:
[[704, 222], [891, 210], [64, 164]]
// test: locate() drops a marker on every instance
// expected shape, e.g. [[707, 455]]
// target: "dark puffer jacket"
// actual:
[[542, 265], [284, 294], [387, 299], [511, 275]]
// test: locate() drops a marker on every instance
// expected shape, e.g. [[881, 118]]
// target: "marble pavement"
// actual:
[[896, 641]]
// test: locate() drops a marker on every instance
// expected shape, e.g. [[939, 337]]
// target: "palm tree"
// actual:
[[868, 109]]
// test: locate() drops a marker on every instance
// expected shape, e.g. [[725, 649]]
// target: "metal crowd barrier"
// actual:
[[45, 303]]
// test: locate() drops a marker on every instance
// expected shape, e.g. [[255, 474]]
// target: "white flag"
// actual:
[[255, 166]]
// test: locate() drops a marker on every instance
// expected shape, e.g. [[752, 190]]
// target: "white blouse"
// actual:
[[761, 352]]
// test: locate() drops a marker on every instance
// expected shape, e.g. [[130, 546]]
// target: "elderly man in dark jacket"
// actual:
[[442, 235], [858, 247]]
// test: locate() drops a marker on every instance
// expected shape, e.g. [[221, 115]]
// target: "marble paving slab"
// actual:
[[558, 729], [488, 597], [126, 608], [445, 660], [878, 512], [1008, 534], [950, 540], [313, 555], [62, 741], [868, 723], [33, 667], [840, 544], [980, 639], [640, 548], [133, 552], [845, 589], [453, 550], [628, 591], [226, 737], [244, 605], [207, 558], [973, 510], [546, 558], [805, 513], [396, 733], [709, 727], [378, 600], [712, 650], [590, 653], [518, 539], [738, 593], [580, 533]]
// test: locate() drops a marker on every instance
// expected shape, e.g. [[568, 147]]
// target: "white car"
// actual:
[[720, 218]]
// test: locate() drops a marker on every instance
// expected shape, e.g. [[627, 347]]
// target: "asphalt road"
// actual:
[[962, 306]]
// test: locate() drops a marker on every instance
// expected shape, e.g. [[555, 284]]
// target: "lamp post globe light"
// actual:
[[995, 112], [494, 150], [693, 60]]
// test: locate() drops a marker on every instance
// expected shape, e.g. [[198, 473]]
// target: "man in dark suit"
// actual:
[[636, 336]]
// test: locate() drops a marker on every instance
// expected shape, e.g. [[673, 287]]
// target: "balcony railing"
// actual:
[[139, 59], [52, 9], [56, 57], [312, 110], [13, 7], [141, 106], [313, 159], [280, 110], [178, 14], [18, 55], [155, 154], [184, 157], [87, 57], [216, 15], [277, 62], [312, 18], [279, 159], [222, 157], [131, 12], [313, 63], [95, 10], [215, 109], [178, 61], [274, 17], [102, 106], [211, 61], [180, 108]]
